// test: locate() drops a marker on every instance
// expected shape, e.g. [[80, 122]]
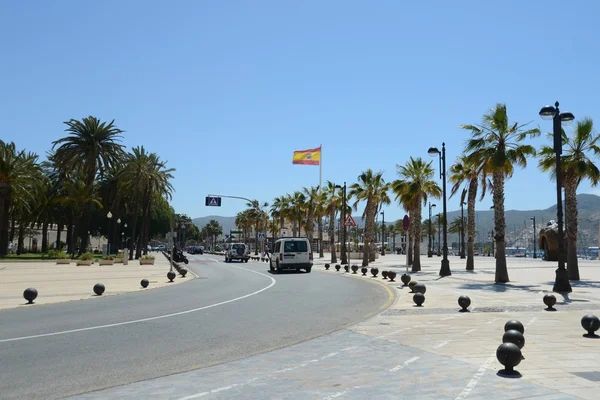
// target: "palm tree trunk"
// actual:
[[416, 234], [134, 223], [571, 227], [320, 236], [500, 227], [59, 227], [45, 237], [472, 197], [21, 238], [332, 237], [70, 241], [87, 213], [4, 208], [147, 228], [370, 232], [146, 205], [13, 220], [409, 240], [75, 234]]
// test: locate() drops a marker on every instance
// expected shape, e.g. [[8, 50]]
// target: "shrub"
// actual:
[[108, 257], [87, 256], [57, 254], [148, 257]]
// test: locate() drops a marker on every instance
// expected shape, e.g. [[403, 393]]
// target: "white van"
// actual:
[[291, 253]]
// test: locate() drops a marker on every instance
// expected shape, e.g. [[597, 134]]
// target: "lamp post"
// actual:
[[125, 242], [561, 282], [343, 256], [462, 230], [109, 216], [534, 241], [382, 233], [117, 233], [439, 218], [433, 151], [429, 246]]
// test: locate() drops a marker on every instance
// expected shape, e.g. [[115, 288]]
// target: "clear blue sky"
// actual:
[[227, 90]]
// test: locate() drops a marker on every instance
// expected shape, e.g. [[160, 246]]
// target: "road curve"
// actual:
[[230, 312]]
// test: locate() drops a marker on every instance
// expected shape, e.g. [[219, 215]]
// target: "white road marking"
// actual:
[[194, 396], [470, 331], [399, 367], [473, 382], [91, 328], [442, 344], [532, 321], [221, 389], [492, 321], [447, 318]]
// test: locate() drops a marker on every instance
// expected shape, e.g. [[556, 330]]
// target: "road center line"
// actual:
[[442, 344], [91, 328], [470, 331]]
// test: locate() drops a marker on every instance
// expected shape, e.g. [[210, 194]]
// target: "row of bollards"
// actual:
[[391, 275], [509, 352], [30, 294]]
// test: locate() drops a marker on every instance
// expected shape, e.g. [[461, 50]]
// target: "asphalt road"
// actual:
[[230, 312]]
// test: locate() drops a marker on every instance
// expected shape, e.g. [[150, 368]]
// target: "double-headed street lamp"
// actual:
[[382, 232], [429, 246], [109, 216], [433, 151], [343, 257], [534, 238], [561, 282], [439, 218]]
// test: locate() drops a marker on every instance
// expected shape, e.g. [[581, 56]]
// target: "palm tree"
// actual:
[[496, 144], [412, 190], [332, 204], [280, 209], [311, 207], [297, 210], [214, 229], [576, 166], [243, 222], [258, 217], [91, 145], [372, 189], [465, 171], [19, 179], [320, 212]]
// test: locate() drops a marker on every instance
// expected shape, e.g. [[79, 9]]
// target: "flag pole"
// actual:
[[320, 167]]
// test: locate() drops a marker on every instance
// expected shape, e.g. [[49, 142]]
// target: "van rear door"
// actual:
[[296, 251]]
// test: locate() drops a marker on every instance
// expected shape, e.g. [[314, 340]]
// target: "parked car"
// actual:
[[291, 253]]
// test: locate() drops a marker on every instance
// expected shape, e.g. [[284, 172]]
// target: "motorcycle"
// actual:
[[180, 257]]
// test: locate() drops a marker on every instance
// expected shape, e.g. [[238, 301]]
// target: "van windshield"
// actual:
[[295, 247], [238, 246]]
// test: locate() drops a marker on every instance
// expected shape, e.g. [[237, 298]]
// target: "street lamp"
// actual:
[[561, 282], [343, 256], [125, 242], [429, 247], [433, 151], [534, 238], [382, 232], [462, 230], [439, 218], [109, 216]]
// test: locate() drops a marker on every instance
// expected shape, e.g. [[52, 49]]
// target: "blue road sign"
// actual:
[[213, 201], [261, 236]]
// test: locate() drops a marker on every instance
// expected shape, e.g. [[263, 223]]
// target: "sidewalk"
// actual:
[[557, 357], [58, 283]]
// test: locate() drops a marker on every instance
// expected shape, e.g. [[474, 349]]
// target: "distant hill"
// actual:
[[519, 228]]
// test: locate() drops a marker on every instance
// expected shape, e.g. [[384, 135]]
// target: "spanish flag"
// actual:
[[307, 157]]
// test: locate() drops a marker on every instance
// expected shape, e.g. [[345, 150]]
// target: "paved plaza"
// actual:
[[67, 282], [429, 352]]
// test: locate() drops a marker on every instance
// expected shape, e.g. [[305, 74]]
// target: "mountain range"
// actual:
[[519, 227]]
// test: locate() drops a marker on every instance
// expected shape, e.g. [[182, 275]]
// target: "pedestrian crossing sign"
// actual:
[[213, 201]]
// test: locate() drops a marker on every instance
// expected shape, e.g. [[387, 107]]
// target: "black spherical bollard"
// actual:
[[30, 294], [354, 269], [550, 301], [514, 324], [347, 268], [419, 299], [99, 289], [374, 272], [411, 286], [384, 274], [464, 302], [183, 272], [590, 323], [337, 267], [514, 336], [170, 276], [364, 271], [326, 267], [420, 288], [405, 278], [144, 283], [391, 276], [509, 355]]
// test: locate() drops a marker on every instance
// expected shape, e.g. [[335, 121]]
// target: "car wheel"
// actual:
[[279, 269], [271, 267], [308, 270], [246, 260]]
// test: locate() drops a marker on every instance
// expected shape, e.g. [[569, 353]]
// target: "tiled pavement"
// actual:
[[433, 352]]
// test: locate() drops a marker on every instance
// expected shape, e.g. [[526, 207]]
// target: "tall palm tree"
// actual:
[[311, 208], [412, 190], [243, 223], [297, 210], [214, 229], [576, 166], [497, 145], [259, 218], [280, 209], [19, 179], [90, 145], [372, 189], [333, 202], [466, 172], [320, 212]]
